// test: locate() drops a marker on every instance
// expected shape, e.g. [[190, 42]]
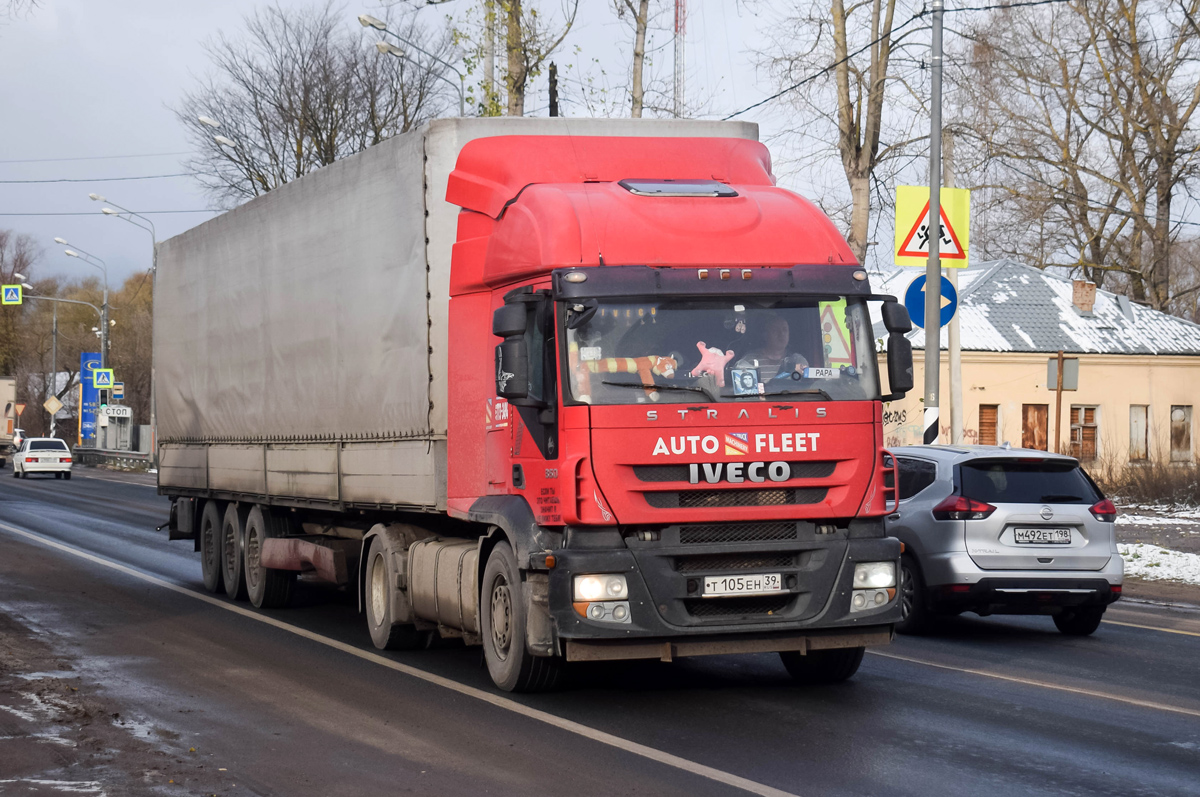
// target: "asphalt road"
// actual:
[[297, 701]]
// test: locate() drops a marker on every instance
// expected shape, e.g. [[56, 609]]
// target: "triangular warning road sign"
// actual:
[[916, 243]]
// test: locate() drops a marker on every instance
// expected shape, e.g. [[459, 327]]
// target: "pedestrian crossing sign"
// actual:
[[12, 294], [913, 227], [102, 378]]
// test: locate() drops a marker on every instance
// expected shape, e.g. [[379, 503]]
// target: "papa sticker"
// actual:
[[589, 353], [821, 373]]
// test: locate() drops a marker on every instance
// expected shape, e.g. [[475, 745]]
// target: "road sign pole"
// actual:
[[953, 338], [933, 270], [1058, 406], [54, 365]]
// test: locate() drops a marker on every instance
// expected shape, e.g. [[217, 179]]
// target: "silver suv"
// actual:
[[997, 530]]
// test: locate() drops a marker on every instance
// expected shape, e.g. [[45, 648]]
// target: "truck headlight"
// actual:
[[601, 588], [874, 575]]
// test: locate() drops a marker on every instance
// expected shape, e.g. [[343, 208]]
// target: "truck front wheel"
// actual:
[[502, 624], [210, 546], [386, 633], [823, 666]]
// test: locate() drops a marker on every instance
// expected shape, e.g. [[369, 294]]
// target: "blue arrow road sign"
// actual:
[[914, 300]]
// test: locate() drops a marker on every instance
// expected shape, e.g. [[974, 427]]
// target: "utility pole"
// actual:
[[680, 30], [933, 271], [954, 341], [54, 364], [553, 89], [1058, 406]]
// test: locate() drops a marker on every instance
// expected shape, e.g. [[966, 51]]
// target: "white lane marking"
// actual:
[[1042, 684], [570, 726], [1152, 628]]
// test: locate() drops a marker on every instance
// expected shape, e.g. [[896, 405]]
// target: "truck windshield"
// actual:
[[741, 349]]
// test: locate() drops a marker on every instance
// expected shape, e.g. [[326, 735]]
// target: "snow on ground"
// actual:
[[1151, 520], [1152, 563]]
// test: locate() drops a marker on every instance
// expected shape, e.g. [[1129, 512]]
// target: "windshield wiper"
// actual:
[[812, 391], [689, 388]]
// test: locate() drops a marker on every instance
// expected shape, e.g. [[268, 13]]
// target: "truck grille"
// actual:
[[737, 607], [680, 473], [733, 561], [702, 499], [736, 532]]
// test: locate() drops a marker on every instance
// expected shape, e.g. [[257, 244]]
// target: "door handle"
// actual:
[[894, 516]]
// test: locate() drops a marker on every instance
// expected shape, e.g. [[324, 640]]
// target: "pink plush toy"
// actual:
[[712, 361]]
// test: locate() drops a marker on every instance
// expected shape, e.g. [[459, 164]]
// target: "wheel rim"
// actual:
[[908, 592], [378, 589], [501, 617], [209, 545], [253, 556]]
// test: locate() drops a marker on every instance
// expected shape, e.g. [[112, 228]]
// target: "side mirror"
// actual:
[[900, 363], [895, 318], [509, 320], [512, 368]]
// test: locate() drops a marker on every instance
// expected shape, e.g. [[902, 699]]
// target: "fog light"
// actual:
[[607, 611], [880, 598], [874, 575], [870, 599], [860, 600], [596, 611], [619, 612]]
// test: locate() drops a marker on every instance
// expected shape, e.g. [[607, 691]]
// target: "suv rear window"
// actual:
[[1015, 482], [47, 445]]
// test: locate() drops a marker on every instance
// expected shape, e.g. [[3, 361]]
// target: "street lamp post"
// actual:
[[125, 214], [368, 21], [87, 257]]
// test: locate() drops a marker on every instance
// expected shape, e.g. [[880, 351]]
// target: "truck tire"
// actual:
[[232, 539], [210, 546], [913, 607], [386, 634], [1081, 621], [502, 624], [823, 666], [266, 587]]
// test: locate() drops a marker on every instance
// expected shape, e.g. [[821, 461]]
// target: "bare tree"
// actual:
[[1084, 116], [530, 39], [639, 13], [299, 90], [18, 255], [839, 59]]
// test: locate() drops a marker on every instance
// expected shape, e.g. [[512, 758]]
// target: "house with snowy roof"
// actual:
[[1139, 369]]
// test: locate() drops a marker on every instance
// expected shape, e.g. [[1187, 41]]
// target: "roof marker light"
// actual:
[[747, 273], [860, 275], [702, 273], [724, 273], [575, 276]]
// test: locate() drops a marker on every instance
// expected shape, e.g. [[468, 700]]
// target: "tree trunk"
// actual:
[[1160, 248], [489, 55], [860, 195], [517, 71], [639, 56]]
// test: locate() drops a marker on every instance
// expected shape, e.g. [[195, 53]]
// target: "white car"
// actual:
[[42, 455]]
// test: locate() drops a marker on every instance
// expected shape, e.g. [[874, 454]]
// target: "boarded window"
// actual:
[[1083, 432], [1181, 433], [1139, 448], [988, 415], [1035, 431]]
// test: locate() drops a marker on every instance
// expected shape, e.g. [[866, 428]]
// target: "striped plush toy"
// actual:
[[645, 367]]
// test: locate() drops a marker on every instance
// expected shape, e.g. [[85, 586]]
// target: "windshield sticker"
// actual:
[[737, 444], [589, 353], [745, 382]]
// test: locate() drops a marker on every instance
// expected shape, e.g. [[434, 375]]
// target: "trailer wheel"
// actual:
[[266, 587], [823, 666], [386, 634], [232, 539], [502, 624], [210, 546]]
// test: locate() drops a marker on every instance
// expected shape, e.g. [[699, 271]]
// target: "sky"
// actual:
[[90, 87]]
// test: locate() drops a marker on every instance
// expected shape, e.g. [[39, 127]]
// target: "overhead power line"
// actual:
[[99, 215], [96, 157], [920, 14], [101, 179]]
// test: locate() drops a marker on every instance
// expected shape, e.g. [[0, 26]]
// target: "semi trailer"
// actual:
[[572, 390]]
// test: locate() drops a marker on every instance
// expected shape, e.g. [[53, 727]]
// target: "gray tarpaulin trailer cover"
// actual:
[[300, 340]]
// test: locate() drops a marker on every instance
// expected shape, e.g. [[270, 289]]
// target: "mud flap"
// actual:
[[539, 625], [182, 523]]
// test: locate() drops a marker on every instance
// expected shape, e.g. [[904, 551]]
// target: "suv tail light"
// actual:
[[1105, 511], [959, 507]]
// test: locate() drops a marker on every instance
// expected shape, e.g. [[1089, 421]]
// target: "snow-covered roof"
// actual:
[[1005, 305]]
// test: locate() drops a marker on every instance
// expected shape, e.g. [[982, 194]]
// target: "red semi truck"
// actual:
[[573, 390]]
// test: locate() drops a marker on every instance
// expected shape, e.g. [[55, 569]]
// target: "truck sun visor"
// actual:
[[693, 188]]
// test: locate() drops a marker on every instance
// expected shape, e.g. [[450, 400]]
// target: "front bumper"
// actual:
[[666, 608]]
